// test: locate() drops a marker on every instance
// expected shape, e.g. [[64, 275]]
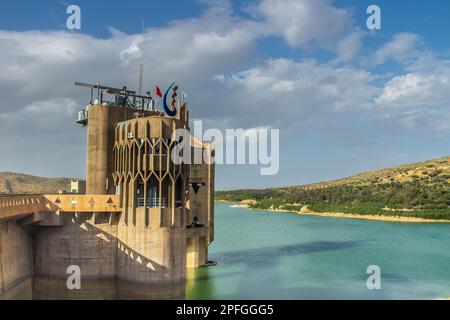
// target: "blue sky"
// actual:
[[426, 18], [345, 99]]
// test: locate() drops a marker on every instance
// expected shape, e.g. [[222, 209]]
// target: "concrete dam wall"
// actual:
[[34, 259]]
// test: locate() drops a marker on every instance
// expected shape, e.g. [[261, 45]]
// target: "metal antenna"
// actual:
[[141, 66]]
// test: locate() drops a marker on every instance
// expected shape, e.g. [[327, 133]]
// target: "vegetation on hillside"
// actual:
[[19, 183], [416, 190]]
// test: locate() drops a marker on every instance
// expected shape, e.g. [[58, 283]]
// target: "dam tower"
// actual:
[[143, 220]]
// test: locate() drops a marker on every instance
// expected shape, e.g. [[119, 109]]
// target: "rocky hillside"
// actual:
[[418, 190], [23, 183]]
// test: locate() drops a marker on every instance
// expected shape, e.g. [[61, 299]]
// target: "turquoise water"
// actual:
[[263, 255]]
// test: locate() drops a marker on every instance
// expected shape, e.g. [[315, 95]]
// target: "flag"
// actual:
[[158, 92], [185, 96]]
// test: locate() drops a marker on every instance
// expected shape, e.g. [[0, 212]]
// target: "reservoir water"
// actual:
[[264, 255]]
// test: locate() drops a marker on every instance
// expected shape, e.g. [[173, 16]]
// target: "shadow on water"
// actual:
[[253, 256]]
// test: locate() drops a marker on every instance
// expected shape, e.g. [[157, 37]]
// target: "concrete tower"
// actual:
[[141, 223], [152, 228], [129, 154]]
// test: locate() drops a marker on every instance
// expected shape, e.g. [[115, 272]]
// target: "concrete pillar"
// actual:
[[150, 260], [196, 248], [16, 262], [98, 150]]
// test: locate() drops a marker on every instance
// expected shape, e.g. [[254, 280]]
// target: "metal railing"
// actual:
[[152, 202], [17, 205]]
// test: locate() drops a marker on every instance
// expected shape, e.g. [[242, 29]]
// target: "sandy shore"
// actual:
[[365, 216], [243, 206], [344, 215]]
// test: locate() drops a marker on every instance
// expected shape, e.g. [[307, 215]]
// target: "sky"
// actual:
[[346, 99]]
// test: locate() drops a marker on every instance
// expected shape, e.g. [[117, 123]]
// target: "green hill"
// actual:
[[22, 183], [415, 190]]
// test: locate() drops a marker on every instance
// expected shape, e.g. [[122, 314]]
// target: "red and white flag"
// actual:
[[158, 92]]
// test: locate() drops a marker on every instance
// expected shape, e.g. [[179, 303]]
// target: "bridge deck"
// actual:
[[15, 206]]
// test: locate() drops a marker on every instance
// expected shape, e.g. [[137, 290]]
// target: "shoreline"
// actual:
[[342, 215], [364, 216]]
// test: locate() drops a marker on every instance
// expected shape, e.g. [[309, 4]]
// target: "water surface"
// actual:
[[263, 255]]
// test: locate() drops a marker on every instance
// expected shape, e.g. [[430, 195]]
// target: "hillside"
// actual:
[[415, 190], [23, 183]]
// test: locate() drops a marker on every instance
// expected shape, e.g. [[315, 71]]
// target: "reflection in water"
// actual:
[[198, 281], [285, 256]]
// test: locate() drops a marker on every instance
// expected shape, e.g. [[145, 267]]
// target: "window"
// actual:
[[179, 193], [140, 193], [152, 193]]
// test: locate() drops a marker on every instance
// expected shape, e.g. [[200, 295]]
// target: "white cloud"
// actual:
[[41, 65], [417, 89], [39, 118], [133, 52], [402, 47], [419, 99], [284, 93], [300, 22], [39, 69], [349, 46]]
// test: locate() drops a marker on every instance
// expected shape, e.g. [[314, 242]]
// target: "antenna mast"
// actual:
[[141, 66]]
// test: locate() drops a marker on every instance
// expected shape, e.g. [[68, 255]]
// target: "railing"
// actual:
[[17, 205], [152, 202], [82, 117], [84, 203], [13, 206]]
